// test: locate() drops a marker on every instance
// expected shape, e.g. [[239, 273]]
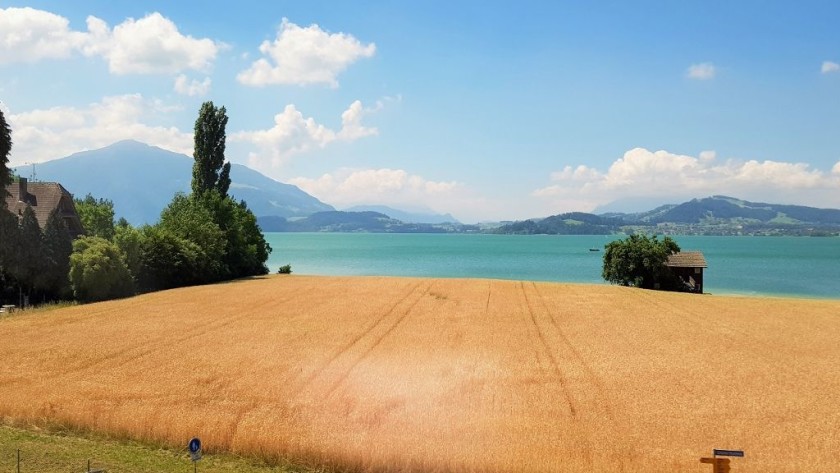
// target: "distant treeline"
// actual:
[[372, 222]]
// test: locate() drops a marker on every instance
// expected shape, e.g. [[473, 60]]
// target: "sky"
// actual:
[[487, 110]]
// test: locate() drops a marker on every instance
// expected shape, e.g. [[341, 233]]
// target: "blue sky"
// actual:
[[487, 110]]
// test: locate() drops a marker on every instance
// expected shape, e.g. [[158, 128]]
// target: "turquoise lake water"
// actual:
[[785, 266]]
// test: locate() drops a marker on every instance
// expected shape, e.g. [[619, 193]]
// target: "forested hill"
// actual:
[[372, 222], [716, 215], [573, 223], [722, 208]]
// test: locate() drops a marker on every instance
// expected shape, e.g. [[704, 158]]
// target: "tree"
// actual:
[[640, 261], [246, 250], [167, 261], [129, 240], [9, 238], [28, 269], [58, 245], [5, 150], [97, 216], [188, 218], [210, 170], [98, 271]]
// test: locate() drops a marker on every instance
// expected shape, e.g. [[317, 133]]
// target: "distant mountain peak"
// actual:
[[141, 180]]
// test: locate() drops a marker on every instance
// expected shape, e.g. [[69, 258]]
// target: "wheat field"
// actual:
[[401, 374]]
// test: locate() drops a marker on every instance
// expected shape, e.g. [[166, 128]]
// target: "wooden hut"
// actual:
[[688, 266]]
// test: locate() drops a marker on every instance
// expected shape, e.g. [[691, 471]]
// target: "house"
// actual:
[[688, 266], [44, 197]]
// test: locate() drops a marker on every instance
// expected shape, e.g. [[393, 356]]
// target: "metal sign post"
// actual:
[[195, 452]]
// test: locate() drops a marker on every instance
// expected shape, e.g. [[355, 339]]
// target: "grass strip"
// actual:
[[63, 451]]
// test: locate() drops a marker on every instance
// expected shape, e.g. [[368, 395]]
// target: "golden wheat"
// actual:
[[399, 374]]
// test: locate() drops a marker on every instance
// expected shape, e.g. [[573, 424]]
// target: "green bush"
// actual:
[[285, 269], [639, 261], [98, 271]]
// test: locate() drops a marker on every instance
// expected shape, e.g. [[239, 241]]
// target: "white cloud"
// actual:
[[292, 133], [29, 35], [153, 45], [672, 177], [351, 121], [395, 187], [304, 56], [41, 135], [150, 45], [191, 88], [702, 71], [829, 66]]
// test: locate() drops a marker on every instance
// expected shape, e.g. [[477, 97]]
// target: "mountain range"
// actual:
[[715, 215], [141, 180]]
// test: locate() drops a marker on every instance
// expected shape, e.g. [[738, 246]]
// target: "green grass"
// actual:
[[62, 451]]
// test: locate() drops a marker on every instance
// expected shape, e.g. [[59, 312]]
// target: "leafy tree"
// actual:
[[246, 250], [58, 245], [5, 150], [210, 170], [189, 219], [640, 261], [167, 261], [97, 216], [129, 240], [98, 271]]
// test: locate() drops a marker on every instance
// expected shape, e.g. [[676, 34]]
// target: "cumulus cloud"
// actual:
[[41, 135], [397, 187], [829, 66], [29, 35], [293, 133], [193, 87], [643, 173], [702, 71], [150, 45], [304, 56]]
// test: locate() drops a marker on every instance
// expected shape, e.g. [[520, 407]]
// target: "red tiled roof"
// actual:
[[687, 259]]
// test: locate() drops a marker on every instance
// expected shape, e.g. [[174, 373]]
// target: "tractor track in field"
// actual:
[[357, 339], [556, 370], [602, 400], [591, 377], [123, 357]]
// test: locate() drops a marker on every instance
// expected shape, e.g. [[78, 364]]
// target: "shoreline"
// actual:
[[714, 292]]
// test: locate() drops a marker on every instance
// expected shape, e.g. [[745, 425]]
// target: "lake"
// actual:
[[783, 266]]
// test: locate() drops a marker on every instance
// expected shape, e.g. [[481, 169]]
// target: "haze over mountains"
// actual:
[[141, 180]]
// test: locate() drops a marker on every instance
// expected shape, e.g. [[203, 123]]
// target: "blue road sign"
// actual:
[[728, 453], [195, 445]]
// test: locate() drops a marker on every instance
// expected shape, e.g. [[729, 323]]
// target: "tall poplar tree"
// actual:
[[210, 171], [5, 150]]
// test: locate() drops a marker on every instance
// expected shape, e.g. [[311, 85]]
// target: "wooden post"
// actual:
[[719, 465]]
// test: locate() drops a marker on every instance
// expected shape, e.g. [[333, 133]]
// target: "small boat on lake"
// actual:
[[594, 249]]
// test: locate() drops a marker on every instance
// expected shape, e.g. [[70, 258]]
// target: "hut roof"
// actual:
[[687, 259]]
